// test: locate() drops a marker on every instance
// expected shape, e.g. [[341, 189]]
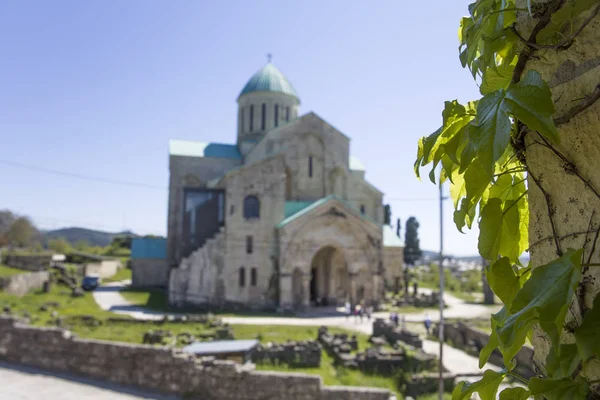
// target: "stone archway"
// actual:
[[329, 283]]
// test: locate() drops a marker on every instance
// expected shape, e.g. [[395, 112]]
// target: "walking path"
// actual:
[[456, 361]]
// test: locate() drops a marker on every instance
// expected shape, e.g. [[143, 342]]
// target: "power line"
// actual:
[[80, 176], [149, 186]]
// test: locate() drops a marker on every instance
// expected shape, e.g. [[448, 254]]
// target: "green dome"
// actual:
[[269, 79]]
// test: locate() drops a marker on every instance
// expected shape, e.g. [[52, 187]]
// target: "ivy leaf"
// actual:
[[497, 77], [503, 280], [516, 393], [586, 335], [562, 389], [458, 189], [530, 101], [543, 299], [562, 18], [499, 231], [487, 387], [562, 364]]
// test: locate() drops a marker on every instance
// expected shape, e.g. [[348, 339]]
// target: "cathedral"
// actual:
[[283, 218]]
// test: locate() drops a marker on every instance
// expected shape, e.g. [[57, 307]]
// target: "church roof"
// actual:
[[269, 79], [389, 237], [292, 207], [300, 211], [190, 148]]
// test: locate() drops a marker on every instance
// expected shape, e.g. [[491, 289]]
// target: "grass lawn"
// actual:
[[155, 299], [61, 295], [121, 275], [5, 271]]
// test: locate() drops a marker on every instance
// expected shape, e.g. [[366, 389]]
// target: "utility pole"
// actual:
[[441, 324]]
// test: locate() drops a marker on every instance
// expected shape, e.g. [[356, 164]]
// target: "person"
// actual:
[[396, 317], [369, 312], [357, 312], [427, 324], [348, 309], [392, 316]]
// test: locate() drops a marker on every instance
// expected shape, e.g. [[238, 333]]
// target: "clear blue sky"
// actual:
[[97, 88]]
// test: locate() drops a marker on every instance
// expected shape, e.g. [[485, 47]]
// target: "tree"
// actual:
[[528, 146], [398, 227], [82, 245], [21, 233], [387, 214], [59, 245], [412, 250], [7, 218]]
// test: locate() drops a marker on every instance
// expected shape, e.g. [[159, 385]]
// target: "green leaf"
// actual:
[[487, 387], [490, 346], [503, 280], [516, 393], [499, 230], [420, 157], [529, 100], [586, 335], [563, 19], [497, 77], [543, 299], [562, 364], [562, 389]]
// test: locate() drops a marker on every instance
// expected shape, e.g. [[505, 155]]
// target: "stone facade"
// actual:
[[162, 369], [317, 236]]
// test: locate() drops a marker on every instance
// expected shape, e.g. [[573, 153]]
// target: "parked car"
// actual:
[[90, 282]]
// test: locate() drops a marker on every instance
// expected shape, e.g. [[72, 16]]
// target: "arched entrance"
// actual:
[[329, 283]]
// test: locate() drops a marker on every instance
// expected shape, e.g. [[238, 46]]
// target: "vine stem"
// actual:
[[550, 213], [560, 238], [519, 377], [585, 103]]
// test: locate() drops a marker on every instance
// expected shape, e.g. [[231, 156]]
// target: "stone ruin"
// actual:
[[394, 334], [418, 300], [375, 360], [303, 354], [164, 337]]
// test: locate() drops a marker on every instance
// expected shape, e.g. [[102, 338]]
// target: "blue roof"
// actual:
[[390, 239], [292, 207], [269, 79], [202, 149], [221, 346], [148, 248]]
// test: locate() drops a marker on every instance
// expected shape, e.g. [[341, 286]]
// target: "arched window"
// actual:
[[253, 277], [263, 115], [287, 114], [242, 277], [276, 115], [251, 117], [362, 209], [310, 167], [251, 207], [242, 120]]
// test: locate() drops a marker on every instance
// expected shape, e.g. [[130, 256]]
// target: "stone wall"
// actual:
[[304, 354], [393, 334], [28, 262], [149, 272], [21, 284], [374, 360], [103, 268], [162, 369], [473, 340]]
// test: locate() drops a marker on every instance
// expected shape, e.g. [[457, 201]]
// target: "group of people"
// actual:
[[359, 311]]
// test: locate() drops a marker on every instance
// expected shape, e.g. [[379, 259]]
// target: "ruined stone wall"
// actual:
[[28, 262], [21, 284], [472, 340], [162, 369]]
